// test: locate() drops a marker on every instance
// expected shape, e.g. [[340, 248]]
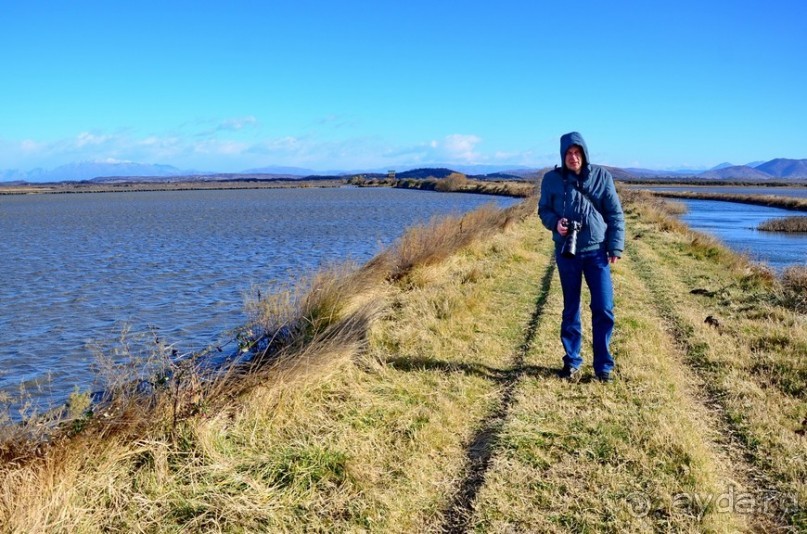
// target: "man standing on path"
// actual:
[[579, 204]]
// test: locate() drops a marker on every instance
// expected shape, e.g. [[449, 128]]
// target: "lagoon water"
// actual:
[[79, 268], [736, 225]]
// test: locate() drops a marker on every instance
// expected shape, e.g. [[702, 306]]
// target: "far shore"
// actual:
[[697, 183], [771, 201], [455, 183], [135, 186]]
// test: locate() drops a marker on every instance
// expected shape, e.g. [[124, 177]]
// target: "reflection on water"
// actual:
[[735, 224], [77, 267]]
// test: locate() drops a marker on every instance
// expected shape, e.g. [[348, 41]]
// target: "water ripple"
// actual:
[[77, 269]]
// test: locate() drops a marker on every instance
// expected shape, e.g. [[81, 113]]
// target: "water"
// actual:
[[76, 269], [735, 225]]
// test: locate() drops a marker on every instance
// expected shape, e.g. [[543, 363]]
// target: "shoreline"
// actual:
[[137, 187]]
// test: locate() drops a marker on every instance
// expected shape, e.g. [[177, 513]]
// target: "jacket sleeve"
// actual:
[[545, 210], [614, 218]]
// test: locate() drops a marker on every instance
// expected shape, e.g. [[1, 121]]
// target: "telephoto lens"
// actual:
[[569, 249]]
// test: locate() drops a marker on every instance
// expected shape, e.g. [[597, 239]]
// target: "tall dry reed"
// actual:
[[796, 224]]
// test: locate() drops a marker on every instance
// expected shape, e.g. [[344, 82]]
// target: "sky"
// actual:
[[347, 85]]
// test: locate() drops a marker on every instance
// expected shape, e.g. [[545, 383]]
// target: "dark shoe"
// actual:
[[572, 374], [606, 377]]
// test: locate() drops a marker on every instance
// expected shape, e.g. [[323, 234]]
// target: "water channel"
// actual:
[[736, 224]]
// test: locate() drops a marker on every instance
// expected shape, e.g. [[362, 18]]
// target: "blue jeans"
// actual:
[[594, 266]]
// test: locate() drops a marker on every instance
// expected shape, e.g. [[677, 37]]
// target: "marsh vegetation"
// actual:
[[787, 224]]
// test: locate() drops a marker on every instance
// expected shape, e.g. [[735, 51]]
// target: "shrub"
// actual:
[[453, 182], [786, 224]]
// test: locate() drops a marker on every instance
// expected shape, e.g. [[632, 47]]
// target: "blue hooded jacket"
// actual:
[[589, 197]]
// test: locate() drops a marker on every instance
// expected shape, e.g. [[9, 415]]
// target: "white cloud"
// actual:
[[461, 147], [454, 148], [212, 127], [87, 138], [228, 151], [30, 146], [220, 147], [236, 124]]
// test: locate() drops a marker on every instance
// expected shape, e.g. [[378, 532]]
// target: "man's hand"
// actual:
[[613, 259], [563, 226]]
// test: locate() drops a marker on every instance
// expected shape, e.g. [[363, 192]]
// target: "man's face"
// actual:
[[574, 159]]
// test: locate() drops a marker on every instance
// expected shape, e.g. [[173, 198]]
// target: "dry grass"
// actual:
[[453, 182], [440, 238], [750, 353], [794, 288], [459, 183], [786, 224], [653, 209], [641, 199], [456, 183]]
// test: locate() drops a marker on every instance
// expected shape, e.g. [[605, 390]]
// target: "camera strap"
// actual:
[[577, 187]]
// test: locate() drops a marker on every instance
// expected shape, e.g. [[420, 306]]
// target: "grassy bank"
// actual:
[[417, 394], [454, 183], [773, 201], [459, 183]]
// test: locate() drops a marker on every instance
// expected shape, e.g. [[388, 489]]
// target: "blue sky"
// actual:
[[228, 86]]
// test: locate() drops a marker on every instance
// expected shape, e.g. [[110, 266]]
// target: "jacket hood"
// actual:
[[567, 141]]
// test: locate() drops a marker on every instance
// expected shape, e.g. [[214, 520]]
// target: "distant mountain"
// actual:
[[485, 169], [14, 175], [620, 174], [736, 172], [724, 165], [426, 172], [87, 170], [785, 168], [476, 170], [651, 173], [281, 170]]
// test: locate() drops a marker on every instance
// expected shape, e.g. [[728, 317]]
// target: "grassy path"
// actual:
[[481, 448], [750, 358], [678, 443], [630, 456]]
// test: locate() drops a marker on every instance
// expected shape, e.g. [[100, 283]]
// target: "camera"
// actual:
[[569, 249]]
